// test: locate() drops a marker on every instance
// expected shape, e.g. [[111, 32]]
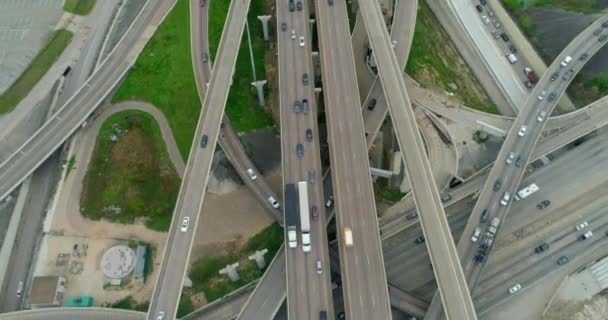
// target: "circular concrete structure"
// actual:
[[118, 262]]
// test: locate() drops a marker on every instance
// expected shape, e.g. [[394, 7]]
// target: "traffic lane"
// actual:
[[167, 296], [340, 203], [428, 202], [580, 251]]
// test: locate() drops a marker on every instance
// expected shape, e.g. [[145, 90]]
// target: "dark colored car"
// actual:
[[504, 37], [323, 315], [412, 216], [554, 76], [305, 78], [479, 8], [205, 57], [543, 204], [283, 26], [341, 315], [297, 106], [497, 184], [314, 213], [292, 5], [300, 150], [305, 106], [204, 141], [330, 2], [308, 135], [568, 75], [551, 96], [419, 240], [485, 216], [583, 57], [562, 260], [372, 104], [518, 161], [597, 32], [512, 49], [202, 3], [542, 248], [483, 2], [479, 258], [605, 24], [603, 38], [299, 5]]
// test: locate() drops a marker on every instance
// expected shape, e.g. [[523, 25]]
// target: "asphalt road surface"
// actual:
[[362, 268], [167, 291]]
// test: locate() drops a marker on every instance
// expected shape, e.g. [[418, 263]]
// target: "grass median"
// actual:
[[163, 76], [435, 63], [205, 271], [130, 177], [79, 7], [56, 44]]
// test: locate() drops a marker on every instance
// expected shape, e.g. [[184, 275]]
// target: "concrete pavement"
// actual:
[[167, 291]]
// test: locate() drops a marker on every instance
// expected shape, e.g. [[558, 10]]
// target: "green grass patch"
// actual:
[[586, 89], [387, 194], [163, 76], [437, 64], [132, 178], [218, 11], [242, 108], [185, 306], [582, 6], [204, 272], [70, 165], [57, 42], [128, 303], [80, 7]]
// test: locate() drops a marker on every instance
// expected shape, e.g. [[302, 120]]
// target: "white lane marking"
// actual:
[[368, 262], [373, 300], [356, 259]]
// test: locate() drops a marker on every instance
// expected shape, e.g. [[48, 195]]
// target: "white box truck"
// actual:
[[291, 215], [304, 215]]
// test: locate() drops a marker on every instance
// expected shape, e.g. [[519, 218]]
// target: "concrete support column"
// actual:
[[264, 20], [230, 270], [260, 86], [258, 256]]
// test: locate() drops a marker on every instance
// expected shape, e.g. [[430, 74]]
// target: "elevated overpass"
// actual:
[[75, 111], [586, 43], [167, 292], [362, 267], [450, 278]]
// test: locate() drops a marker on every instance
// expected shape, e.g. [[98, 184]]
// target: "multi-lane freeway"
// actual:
[[362, 268], [167, 291], [308, 278], [452, 286]]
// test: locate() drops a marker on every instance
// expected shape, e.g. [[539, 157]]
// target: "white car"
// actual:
[[582, 226], [251, 174], [160, 315], [273, 202], [319, 267], [302, 41], [511, 157], [515, 288], [485, 19], [541, 96], [185, 224], [293, 34], [587, 235], [522, 131], [476, 234], [505, 199], [541, 116]]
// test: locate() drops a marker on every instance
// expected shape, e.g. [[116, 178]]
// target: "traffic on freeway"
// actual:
[[464, 215]]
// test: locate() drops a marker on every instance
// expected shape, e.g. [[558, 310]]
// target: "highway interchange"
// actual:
[[362, 267]]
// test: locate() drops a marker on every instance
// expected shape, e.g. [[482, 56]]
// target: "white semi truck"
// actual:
[[304, 215], [525, 192], [291, 215]]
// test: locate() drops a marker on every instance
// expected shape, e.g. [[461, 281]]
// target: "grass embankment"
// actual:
[[128, 303], [204, 272], [132, 178], [242, 108], [79, 7], [585, 88], [435, 63], [163, 76], [57, 42]]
